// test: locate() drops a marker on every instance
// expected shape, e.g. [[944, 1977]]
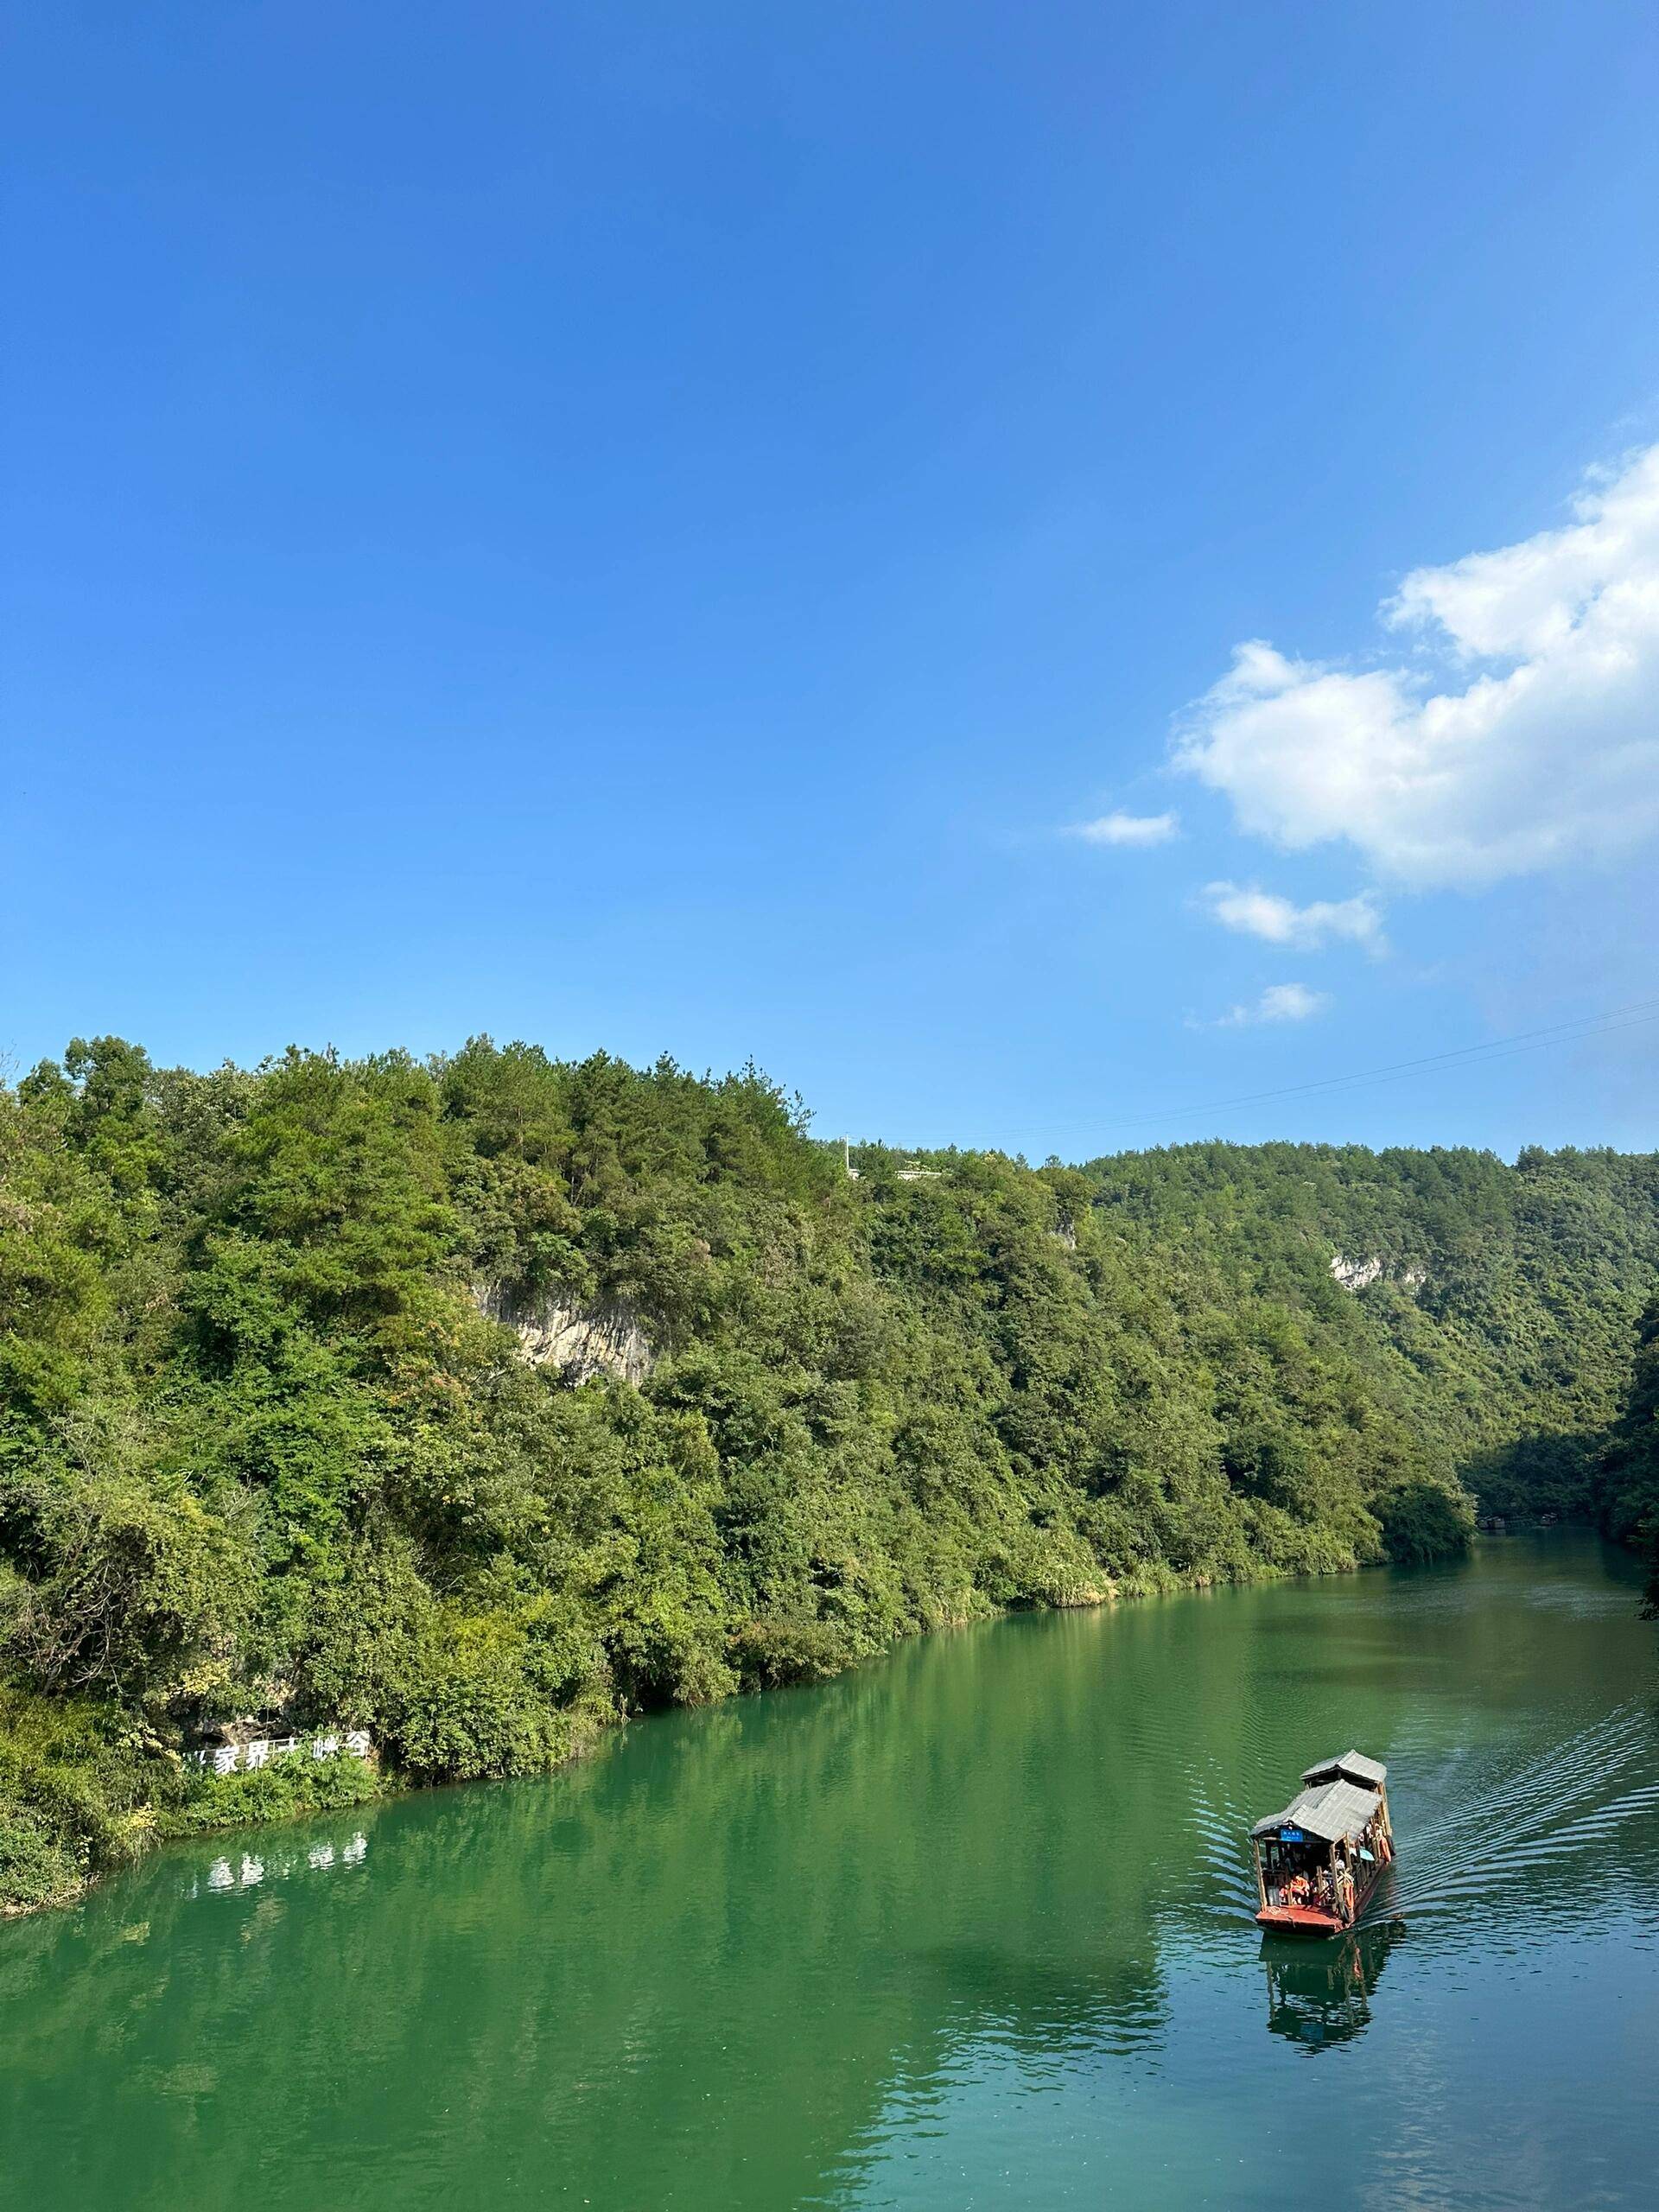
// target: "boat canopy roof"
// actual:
[[1330, 1810], [1352, 1766]]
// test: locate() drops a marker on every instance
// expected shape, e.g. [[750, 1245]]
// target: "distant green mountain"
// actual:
[[1494, 1308], [481, 1402]]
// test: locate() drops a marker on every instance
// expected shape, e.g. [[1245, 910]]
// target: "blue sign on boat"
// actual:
[[1292, 1835]]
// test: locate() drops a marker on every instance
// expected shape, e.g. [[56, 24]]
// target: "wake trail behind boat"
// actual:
[[1558, 1811]]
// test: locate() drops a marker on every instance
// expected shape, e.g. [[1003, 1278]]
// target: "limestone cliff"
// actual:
[[1360, 1274], [579, 1341]]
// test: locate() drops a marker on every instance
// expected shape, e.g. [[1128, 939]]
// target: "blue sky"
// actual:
[[656, 527]]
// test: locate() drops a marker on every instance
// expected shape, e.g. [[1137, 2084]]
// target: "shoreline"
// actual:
[[388, 1782]]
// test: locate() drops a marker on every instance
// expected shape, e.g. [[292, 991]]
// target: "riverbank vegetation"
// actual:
[[1630, 1468], [479, 1403]]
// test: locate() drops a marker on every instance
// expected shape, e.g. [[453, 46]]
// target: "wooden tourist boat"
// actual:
[[1318, 1861]]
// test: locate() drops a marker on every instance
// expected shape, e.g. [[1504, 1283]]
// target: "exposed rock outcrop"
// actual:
[[1360, 1274], [579, 1341]]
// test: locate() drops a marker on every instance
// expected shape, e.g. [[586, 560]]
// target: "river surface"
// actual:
[[970, 1928]]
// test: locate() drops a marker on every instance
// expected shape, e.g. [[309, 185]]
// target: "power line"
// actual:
[[1494, 1047], [1583, 1027]]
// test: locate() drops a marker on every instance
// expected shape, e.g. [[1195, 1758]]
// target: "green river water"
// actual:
[[970, 1928]]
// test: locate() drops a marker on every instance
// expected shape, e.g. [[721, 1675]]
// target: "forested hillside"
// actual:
[[1494, 1308], [481, 1402], [1628, 1492]]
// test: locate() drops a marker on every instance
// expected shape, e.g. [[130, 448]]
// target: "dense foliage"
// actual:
[[1503, 1312], [1629, 1490], [263, 1450]]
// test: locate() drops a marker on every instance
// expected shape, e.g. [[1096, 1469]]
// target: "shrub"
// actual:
[[1422, 1522]]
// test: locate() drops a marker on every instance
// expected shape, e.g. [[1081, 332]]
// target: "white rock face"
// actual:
[[579, 1341], [1360, 1274], [1355, 1275]]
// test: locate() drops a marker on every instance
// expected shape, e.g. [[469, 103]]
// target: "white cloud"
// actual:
[[1541, 748], [1279, 1002], [1128, 830], [1256, 912]]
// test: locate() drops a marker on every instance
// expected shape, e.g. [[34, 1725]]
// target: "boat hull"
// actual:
[[1298, 1920]]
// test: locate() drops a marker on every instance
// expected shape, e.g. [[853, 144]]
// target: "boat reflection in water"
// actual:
[[1323, 1996]]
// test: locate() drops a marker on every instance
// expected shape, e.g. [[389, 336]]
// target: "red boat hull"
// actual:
[[1298, 1920]]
